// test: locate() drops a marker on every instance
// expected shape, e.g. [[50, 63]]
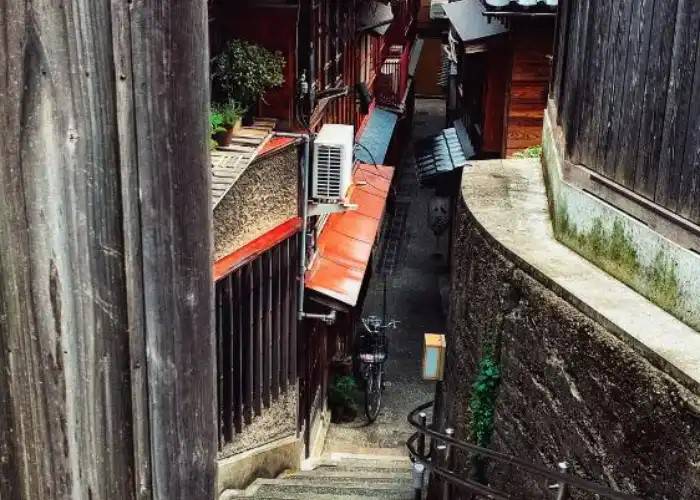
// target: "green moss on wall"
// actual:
[[664, 282], [614, 251]]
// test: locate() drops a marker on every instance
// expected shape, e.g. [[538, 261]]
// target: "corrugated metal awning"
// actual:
[[441, 154], [345, 244], [468, 20], [375, 16], [375, 137]]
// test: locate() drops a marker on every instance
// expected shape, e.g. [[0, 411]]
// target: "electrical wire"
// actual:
[[371, 156], [374, 163]]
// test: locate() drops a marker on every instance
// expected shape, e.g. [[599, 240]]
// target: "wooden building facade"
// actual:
[[347, 62], [499, 69], [633, 119], [332, 45]]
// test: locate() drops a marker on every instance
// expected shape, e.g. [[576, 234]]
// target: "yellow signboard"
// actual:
[[433, 356]]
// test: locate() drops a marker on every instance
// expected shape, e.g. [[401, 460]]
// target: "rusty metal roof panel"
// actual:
[[345, 244], [251, 250]]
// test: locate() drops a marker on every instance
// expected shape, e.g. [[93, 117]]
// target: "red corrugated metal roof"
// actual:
[[246, 253], [274, 144], [345, 244]]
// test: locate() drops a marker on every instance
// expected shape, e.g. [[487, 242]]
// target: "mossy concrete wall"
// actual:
[[569, 388], [664, 272], [263, 197]]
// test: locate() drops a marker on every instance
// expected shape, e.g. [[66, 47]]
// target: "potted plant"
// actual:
[[341, 398], [243, 72], [225, 120]]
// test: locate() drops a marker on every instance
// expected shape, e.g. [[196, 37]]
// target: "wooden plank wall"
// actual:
[[529, 85], [627, 88], [107, 357]]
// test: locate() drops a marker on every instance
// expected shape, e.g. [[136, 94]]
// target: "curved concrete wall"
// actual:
[[570, 388]]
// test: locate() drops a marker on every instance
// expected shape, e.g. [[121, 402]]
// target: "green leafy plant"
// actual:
[[483, 400], [341, 398], [482, 406], [222, 118], [531, 152], [216, 120], [244, 72]]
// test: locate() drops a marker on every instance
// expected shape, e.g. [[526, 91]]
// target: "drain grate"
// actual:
[[393, 239]]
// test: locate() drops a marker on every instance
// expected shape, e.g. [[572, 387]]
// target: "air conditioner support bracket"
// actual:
[[315, 208]]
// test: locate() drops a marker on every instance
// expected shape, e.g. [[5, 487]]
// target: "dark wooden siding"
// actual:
[[627, 87], [256, 333]]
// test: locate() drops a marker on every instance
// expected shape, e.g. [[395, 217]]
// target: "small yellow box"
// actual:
[[433, 356]]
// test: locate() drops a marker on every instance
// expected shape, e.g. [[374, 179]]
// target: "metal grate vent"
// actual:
[[329, 164]]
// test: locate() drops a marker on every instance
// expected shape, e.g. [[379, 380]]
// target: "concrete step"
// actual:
[[334, 474], [322, 496], [312, 489], [359, 465], [348, 479], [373, 473]]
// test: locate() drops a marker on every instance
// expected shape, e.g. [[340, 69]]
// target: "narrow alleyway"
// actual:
[[415, 277]]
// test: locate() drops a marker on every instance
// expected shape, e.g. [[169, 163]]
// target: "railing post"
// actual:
[[417, 474], [446, 487], [421, 440], [563, 490]]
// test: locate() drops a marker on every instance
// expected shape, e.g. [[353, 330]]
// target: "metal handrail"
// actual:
[[563, 480]]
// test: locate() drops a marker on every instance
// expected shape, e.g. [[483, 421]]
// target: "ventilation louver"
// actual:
[[332, 163]]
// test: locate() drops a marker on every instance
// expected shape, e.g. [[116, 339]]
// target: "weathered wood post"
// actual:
[[106, 342]]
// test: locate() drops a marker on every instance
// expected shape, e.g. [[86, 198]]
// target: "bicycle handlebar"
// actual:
[[373, 324]]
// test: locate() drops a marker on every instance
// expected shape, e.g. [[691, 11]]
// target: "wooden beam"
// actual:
[[106, 299]]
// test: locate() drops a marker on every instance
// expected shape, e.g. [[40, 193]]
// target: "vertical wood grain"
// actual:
[[678, 104], [106, 296]]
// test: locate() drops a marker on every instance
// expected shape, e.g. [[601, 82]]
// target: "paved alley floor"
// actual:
[[413, 299]]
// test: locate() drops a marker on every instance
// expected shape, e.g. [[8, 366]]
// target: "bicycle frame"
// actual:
[[373, 353]]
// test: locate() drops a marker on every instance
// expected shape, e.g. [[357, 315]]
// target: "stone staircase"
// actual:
[[338, 476]]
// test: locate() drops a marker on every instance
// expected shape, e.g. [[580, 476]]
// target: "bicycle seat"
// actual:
[[378, 357]]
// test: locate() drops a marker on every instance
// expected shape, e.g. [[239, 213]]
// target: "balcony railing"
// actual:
[[391, 82]]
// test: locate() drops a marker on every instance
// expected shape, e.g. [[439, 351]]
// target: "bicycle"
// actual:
[[374, 350]]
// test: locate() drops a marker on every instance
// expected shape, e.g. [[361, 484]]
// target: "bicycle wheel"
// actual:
[[373, 391]]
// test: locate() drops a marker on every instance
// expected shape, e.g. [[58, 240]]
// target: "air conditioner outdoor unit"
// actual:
[[437, 10], [332, 164]]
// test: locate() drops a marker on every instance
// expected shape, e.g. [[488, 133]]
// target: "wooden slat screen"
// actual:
[[256, 333]]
